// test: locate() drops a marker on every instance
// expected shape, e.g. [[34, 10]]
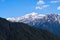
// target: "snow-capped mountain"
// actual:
[[34, 17], [49, 22]]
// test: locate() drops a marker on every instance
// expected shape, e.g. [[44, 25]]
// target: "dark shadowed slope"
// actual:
[[21, 31]]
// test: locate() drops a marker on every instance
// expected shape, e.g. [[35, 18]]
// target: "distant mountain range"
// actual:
[[20, 31], [50, 22]]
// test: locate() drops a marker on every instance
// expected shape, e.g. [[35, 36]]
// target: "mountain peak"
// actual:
[[33, 16], [33, 13]]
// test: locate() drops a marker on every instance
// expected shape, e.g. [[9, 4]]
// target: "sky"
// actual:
[[16, 8]]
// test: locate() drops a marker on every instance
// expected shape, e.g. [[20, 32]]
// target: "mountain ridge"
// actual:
[[21, 31], [49, 22]]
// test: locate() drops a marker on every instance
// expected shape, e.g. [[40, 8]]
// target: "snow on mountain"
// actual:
[[28, 17], [34, 17], [49, 22]]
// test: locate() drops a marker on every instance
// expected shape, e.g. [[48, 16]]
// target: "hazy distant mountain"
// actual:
[[21, 31], [49, 22]]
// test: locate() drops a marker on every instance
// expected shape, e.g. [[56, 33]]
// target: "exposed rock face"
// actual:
[[21, 31]]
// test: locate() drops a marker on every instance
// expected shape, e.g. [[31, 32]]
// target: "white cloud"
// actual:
[[55, 1], [38, 7], [45, 6], [40, 2], [58, 8], [42, 7]]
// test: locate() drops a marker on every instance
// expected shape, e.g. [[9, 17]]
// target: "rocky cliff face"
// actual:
[[21, 31]]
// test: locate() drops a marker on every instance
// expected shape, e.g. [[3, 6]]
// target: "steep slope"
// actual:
[[49, 22], [21, 31]]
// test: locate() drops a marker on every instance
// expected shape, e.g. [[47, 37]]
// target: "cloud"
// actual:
[[55, 1], [45, 6], [38, 7], [42, 7], [40, 2], [58, 8]]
